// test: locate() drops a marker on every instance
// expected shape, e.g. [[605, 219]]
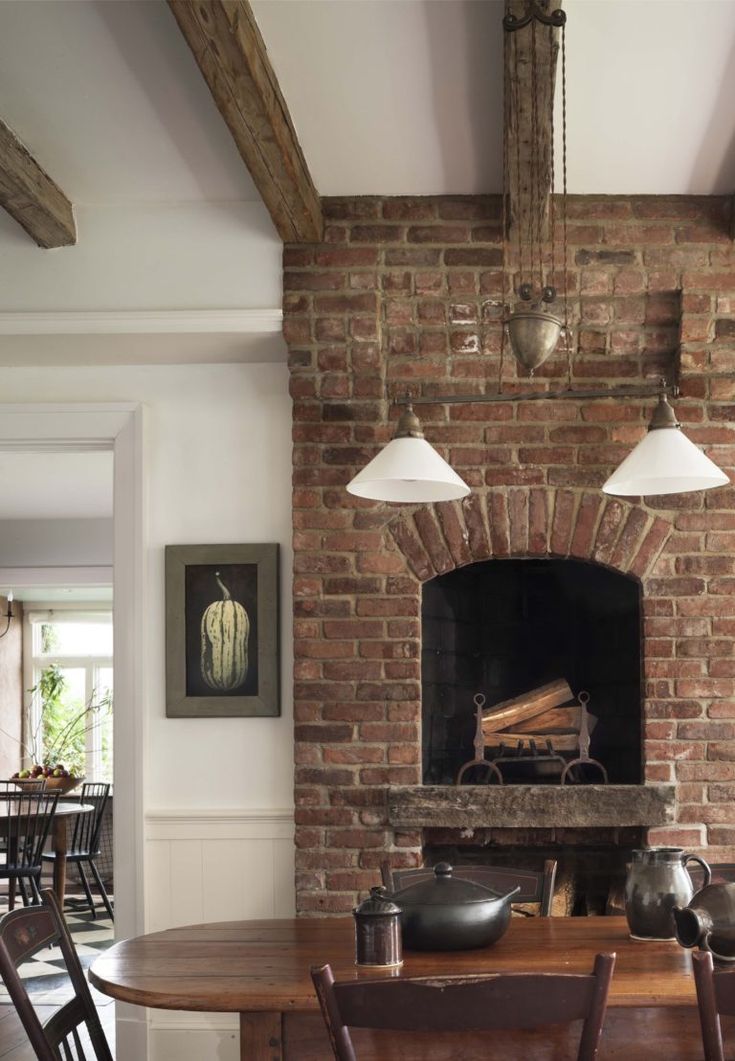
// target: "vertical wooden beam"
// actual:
[[31, 197], [529, 141], [232, 57]]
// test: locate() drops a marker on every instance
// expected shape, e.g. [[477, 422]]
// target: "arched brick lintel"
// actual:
[[533, 521]]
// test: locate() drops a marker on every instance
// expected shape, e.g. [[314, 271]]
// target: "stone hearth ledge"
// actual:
[[530, 806]]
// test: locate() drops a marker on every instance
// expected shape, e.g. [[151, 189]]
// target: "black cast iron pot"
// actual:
[[450, 913]]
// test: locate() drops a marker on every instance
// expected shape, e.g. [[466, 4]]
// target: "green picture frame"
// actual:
[[222, 631]]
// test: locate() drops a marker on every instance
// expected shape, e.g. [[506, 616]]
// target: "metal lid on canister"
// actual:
[[378, 904]]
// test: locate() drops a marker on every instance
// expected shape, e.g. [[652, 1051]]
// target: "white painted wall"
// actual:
[[55, 542], [147, 256], [218, 443], [219, 466]]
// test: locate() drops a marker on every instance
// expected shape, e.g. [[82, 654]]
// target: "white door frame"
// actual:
[[118, 426]]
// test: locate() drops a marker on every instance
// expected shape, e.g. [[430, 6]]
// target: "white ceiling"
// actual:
[[404, 96], [55, 485], [109, 100], [388, 97]]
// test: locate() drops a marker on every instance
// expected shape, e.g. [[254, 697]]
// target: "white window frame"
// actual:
[[34, 663]]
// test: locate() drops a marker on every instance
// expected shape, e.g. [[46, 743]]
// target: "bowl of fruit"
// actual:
[[57, 778]]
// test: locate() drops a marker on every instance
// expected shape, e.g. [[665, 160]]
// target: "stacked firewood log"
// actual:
[[534, 718]]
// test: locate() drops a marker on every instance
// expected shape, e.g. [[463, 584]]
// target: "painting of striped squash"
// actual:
[[225, 630]]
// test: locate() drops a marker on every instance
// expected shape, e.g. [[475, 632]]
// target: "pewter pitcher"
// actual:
[[657, 882]]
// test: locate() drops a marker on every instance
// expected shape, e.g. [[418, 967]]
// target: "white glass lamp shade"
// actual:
[[408, 470], [664, 462]]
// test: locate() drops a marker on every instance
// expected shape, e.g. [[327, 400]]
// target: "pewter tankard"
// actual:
[[657, 882]]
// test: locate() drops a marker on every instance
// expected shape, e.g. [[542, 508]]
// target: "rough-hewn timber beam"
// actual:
[[519, 47], [232, 56], [31, 197]]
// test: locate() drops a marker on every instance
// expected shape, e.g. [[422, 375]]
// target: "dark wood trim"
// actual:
[[231, 54], [31, 197]]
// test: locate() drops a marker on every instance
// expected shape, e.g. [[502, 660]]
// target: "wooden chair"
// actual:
[[715, 997], [84, 847], [536, 886], [22, 934], [27, 814], [465, 1003]]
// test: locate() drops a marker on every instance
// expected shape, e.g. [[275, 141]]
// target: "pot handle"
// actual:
[[705, 945], [705, 866]]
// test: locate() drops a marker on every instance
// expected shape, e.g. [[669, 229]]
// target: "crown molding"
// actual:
[[144, 322]]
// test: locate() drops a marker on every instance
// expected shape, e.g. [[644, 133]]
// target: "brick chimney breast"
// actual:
[[395, 301]]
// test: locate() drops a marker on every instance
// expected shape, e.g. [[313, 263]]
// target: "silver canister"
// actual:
[[378, 932]]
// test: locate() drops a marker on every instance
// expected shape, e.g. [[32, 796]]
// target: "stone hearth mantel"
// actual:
[[530, 806]]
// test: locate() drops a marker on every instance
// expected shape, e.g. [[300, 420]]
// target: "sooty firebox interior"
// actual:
[[503, 627]]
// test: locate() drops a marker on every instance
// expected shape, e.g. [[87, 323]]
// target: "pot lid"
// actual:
[[443, 888], [378, 905]]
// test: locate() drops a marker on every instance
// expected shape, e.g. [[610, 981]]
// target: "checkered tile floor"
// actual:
[[45, 978]]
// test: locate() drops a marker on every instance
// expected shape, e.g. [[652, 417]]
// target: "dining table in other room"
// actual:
[[65, 812]]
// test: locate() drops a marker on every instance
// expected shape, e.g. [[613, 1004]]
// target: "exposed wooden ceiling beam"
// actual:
[[523, 128], [231, 54], [30, 196]]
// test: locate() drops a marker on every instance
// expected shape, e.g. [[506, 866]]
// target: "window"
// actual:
[[69, 675]]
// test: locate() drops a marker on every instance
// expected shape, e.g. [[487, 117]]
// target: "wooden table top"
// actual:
[[244, 966]]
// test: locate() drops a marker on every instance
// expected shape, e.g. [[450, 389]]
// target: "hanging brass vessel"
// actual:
[[533, 334]]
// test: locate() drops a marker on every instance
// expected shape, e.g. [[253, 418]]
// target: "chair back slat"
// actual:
[[536, 886], [466, 1003], [61, 1029], [22, 932], [28, 812], [87, 827], [81, 1056]]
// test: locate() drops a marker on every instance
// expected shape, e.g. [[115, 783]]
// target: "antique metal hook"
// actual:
[[534, 11]]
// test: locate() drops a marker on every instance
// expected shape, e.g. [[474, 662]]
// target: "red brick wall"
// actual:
[[395, 300]]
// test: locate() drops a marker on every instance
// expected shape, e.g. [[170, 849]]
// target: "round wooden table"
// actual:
[[59, 836], [260, 969]]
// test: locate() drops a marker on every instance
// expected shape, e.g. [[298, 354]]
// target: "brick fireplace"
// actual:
[[502, 626], [397, 300]]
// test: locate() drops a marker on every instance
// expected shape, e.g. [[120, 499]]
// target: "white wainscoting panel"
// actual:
[[212, 865]]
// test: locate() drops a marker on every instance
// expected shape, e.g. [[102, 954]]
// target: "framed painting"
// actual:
[[222, 637]]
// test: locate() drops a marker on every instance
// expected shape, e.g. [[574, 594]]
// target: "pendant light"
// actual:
[[665, 461], [540, 316], [408, 469]]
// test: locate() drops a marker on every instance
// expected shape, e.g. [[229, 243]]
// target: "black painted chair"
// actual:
[[74, 1031], [26, 814], [536, 886], [84, 847], [465, 1003]]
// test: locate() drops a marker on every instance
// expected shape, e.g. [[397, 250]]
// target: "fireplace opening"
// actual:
[[503, 627]]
